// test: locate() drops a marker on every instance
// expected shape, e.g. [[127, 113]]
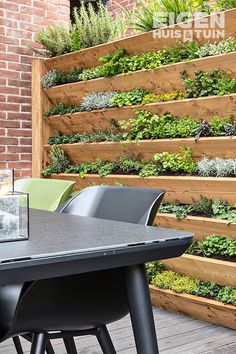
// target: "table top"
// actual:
[[57, 238]]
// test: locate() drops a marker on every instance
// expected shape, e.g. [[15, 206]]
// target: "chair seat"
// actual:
[[93, 299]]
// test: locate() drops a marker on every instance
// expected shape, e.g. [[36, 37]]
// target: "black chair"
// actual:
[[79, 304]]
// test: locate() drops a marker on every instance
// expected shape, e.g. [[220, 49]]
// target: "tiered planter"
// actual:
[[195, 306], [183, 189]]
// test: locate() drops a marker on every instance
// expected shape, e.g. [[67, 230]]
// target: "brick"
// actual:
[[9, 124], [9, 6], [18, 83], [25, 108], [19, 165], [9, 107], [18, 115], [19, 149], [18, 99], [26, 125], [9, 74], [8, 40], [9, 157], [9, 90], [19, 132], [25, 157], [33, 11], [8, 141], [25, 141]]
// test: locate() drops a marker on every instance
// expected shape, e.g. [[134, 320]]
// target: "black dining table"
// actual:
[[62, 244]]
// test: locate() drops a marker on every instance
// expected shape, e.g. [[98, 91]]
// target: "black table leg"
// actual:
[[141, 310]]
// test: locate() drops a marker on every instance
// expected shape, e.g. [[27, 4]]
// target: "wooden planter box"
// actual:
[[137, 44], [162, 80], [220, 272], [200, 226], [178, 189], [205, 108], [213, 147], [195, 306]]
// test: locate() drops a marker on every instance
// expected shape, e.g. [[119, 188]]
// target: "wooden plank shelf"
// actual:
[[214, 147], [141, 43], [218, 271], [204, 108], [162, 80], [178, 188], [200, 226], [207, 310]]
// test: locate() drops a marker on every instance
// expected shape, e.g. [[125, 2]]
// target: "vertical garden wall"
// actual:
[[177, 107]]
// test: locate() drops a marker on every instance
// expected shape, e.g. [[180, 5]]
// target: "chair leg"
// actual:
[[49, 348], [105, 341], [70, 345], [39, 343], [17, 344]]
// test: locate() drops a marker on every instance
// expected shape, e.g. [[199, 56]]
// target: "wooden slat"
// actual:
[[141, 43], [204, 108], [213, 147], [40, 130], [162, 80], [178, 189], [194, 306], [200, 226], [220, 272]]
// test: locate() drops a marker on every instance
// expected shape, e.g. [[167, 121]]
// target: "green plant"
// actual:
[[165, 97], [225, 46], [217, 209], [153, 268], [227, 295], [214, 245], [130, 98], [55, 39], [174, 281], [92, 137], [152, 14], [61, 109], [176, 162], [214, 83], [207, 289], [58, 162], [57, 77], [96, 27], [226, 4]]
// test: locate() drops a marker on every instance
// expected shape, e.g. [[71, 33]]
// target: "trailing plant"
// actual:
[[58, 162], [213, 245], [96, 26], [57, 77], [153, 268], [214, 83], [216, 167], [167, 279], [217, 209]]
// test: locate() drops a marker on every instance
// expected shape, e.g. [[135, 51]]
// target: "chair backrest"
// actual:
[[127, 204], [45, 194]]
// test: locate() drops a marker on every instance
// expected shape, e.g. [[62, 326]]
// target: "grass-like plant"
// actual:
[[96, 27], [226, 4]]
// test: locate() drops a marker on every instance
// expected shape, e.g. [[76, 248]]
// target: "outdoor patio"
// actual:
[[177, 334]]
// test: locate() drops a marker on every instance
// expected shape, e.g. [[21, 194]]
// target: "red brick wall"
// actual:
[[114, 7], [19, 20]]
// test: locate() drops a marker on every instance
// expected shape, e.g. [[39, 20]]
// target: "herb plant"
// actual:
[[214, 245], [59, 162], [216, 167], [130, 98], [214, 83]]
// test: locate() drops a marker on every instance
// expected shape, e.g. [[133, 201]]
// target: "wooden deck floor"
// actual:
[[177, 334]]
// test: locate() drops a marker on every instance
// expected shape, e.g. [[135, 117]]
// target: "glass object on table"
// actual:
[[6, 180], [14, 216]]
